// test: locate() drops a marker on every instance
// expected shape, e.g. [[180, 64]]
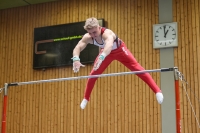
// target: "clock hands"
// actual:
[[165, 32]]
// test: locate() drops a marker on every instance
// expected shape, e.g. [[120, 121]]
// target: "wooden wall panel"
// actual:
[[118, 104], [187, 14]]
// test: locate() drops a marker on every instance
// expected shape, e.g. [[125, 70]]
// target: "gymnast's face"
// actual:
[[95, 32]]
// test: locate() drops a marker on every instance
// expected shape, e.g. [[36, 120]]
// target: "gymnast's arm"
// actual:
[[86, 39], [109, 38], [76, 52]]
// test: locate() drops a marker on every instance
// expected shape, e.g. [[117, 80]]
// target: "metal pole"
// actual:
[[92, 76], [4, 108], [178, 114], [69, 78]]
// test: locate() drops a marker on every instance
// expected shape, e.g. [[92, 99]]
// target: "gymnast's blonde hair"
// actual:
[[91, 23]]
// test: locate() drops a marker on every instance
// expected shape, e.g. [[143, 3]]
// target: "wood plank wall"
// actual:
[[118, 104], [187, 13]]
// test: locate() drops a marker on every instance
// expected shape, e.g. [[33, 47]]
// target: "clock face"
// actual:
[[165, 35]]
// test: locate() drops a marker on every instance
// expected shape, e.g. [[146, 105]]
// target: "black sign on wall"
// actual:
[[53, 45]]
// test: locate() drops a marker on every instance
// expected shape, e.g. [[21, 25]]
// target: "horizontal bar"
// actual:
[[91, 76]]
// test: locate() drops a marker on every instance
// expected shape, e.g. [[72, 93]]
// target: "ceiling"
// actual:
[[4, 4]]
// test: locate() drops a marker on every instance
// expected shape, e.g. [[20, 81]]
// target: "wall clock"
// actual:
[[165, 35]]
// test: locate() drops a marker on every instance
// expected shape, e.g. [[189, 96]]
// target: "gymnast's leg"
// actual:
[[91, 81], [130, 62]]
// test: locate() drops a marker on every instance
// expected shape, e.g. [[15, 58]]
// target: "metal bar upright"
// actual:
[[4, 108], [178, 114]]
